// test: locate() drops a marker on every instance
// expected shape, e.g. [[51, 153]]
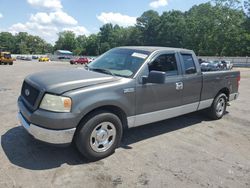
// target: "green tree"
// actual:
[[148, 25], [81, 43], [66, 41], [92, 47], [172, 29], [7, 41]]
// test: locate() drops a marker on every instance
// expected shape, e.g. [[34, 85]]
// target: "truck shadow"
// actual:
[[24, 151], [155, 129]]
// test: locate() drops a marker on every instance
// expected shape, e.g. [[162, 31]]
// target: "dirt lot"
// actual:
[[188, 151]]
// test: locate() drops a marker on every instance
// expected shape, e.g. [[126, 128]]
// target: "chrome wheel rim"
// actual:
[[220, 107], [103, 136]]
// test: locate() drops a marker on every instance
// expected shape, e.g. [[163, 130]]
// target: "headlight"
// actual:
[[56, 103]]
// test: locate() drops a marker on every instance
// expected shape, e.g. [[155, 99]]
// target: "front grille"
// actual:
[[29, 93]]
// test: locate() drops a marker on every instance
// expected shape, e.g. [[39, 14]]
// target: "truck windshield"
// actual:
[[120, 62], [7, 56]]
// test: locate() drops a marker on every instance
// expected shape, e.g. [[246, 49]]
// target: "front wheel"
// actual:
[[218, 108], [99, 135]]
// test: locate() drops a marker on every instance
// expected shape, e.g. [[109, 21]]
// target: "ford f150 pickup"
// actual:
[[123, 88]]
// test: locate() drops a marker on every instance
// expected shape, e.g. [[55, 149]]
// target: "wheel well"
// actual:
[[112, 109], [225, 91]]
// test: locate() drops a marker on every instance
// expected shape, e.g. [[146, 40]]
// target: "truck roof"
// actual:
[[155, 48]]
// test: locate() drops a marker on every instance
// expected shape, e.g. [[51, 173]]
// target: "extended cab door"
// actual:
[[192, 81], [155, 101]]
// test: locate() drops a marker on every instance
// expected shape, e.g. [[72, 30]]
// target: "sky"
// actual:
[[46, 18]]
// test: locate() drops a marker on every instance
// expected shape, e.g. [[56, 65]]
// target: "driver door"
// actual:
[[155, 101]]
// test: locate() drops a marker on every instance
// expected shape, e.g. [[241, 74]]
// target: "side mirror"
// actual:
[[155, 77]]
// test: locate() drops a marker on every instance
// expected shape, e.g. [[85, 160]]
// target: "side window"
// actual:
[[189, 64], [165, 63]]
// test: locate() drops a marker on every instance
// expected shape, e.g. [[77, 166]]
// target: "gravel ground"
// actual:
[[188, 151]]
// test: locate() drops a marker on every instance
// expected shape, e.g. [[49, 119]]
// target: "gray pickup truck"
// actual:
[[125, 87]]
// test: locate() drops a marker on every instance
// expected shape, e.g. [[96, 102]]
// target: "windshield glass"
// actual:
[[7, 56], [120, 62]]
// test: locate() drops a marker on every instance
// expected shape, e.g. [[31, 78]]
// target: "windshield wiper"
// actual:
[[101, 70]]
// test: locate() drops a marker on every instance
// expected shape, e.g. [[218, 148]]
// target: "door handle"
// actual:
[[179, 85]]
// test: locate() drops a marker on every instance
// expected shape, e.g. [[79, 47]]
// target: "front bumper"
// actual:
[[48, 135]]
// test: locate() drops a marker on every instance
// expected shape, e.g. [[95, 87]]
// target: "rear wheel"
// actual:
[[218, 108], [99, 135]]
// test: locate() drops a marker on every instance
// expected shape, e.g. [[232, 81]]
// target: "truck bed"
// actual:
[[218, 80]]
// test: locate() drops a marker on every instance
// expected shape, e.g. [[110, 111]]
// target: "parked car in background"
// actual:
[[211, 65], [34, 57], [22, 57], [91, 59], [200, 60], [227, 65], [26, 58], [81, 60], [204, 66], [64, 57], [216, 64], [43, 59]]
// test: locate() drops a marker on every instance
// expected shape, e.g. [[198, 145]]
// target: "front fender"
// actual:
[[87, 99]]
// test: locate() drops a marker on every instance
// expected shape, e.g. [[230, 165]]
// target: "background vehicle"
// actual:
[[5, 58], [64, 57], [81, 60], [125, 87], [35, 57], [205, 66], [26, 58], [43, 59], [216, 64], [227, 64], [211, 65], [90, 59]]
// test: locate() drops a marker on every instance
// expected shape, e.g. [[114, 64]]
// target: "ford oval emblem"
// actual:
[[27, 92]]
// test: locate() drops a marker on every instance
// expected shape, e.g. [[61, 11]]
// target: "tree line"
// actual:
[[23, 43], [220, 27]]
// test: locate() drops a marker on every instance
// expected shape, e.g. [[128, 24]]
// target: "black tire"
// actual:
[[84, 136], [11, 63], [217, 111]]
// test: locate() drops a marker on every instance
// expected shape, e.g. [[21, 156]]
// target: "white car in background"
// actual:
[[91, 59], [229, 65]]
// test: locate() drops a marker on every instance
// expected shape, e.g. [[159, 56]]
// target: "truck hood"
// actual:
[[61, 81]]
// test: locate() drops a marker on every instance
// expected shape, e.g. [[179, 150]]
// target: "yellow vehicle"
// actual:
[[43, 59], [6, 59]]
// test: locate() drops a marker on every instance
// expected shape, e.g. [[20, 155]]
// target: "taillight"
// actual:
[[238, 81]]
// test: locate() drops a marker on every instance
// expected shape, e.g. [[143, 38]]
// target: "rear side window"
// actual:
[[189, 64]]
